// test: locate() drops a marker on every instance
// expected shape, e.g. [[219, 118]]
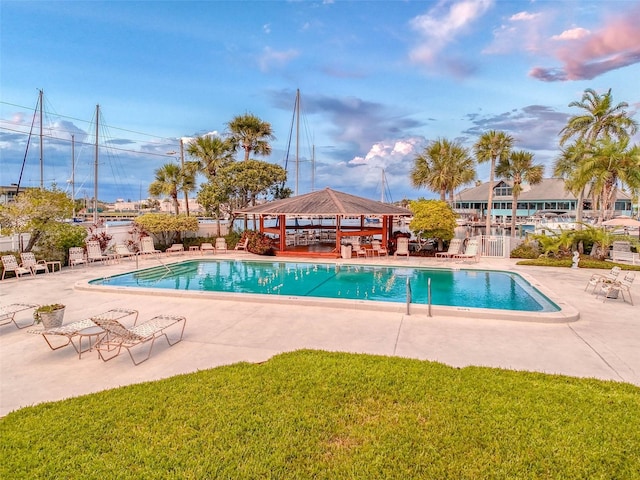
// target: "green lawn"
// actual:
[[322, 415]]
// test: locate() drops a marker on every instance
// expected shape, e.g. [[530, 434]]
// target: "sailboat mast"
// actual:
[[40, 96], [95, 171], [313, 168], [382, 189], [297, 137], [73, 173]]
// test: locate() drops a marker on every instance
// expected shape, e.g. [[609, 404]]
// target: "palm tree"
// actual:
[[251, 134], [491, 146], [188, 181], [599, 119], [610, 163], [168, 181], [443, 167], [519, 168], [212, 153]]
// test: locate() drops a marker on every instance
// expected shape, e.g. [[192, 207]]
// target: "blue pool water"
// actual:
[[458, 288]]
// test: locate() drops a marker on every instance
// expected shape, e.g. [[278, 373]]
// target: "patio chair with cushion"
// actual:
[[10, 264], [207, 247], [378, 249], [118, 336], [455, 247], [77, 256], [29, 261], [73, 333], [8, 313], [221, 245]]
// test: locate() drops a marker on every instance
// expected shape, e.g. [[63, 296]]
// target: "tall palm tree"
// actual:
[[168, 181], [212, 153], [188, 181], [251, 134], [491, 146], [442, 167], [600, 119], [565, 167], [519, 168]]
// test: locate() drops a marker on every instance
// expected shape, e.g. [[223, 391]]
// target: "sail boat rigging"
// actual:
[[295, 120]]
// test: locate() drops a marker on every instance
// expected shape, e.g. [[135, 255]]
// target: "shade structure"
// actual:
[[622, 221], [327, 203]]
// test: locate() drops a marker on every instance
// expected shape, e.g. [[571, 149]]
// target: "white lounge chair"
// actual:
[[221, 245], [117, 336], [77, 256], [122, 251], [94, 253], [175, 248], [455, 247], [8, 313], [29, 261], [207, 247], [470, 253], [10, 264], [147, 247], [402, 247], [242, 245]]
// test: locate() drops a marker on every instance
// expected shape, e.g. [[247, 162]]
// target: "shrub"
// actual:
[[259, 243], [528, 249]]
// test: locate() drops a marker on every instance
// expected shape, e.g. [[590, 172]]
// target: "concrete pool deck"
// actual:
[[603, 343]]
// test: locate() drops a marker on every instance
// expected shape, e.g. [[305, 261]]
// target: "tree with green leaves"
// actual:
[[599, 119], [519, 168], [432, 219], [212, 152], [490, 147], [442, 167], [166, 227], [35, 211], [251, 134], [168, 181]]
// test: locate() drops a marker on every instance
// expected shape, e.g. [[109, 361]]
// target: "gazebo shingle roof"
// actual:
[[326, 202]]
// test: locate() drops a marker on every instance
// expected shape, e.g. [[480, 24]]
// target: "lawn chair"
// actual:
[[470, 253], [402, 247], [378, 249], [29, 261], [147, 247], [242, 245], [8, 313], [77, 256], [615, 288], [598, 278], [207, 247], [94, 253], [121, 251], [10, 264], [175, 248], [74, 332], [221, 245], [118, 336], [455, 247]]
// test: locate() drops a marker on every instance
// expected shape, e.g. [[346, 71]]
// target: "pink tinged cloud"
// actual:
[[584, 57]]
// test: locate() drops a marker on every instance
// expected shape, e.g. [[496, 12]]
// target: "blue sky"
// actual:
[[378, 81]]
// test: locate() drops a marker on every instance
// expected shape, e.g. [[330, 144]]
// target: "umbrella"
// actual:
[[623, 221]]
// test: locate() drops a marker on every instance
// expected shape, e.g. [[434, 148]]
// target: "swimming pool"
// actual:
[[481, 289]]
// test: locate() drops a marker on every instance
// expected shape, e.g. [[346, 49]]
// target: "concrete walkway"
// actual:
[[604, 343]]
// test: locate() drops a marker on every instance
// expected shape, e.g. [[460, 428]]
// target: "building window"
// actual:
[[502, 191]]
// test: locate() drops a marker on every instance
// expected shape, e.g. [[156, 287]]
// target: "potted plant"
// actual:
[[50, 315]]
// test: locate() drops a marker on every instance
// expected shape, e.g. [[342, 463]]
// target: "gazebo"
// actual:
[[324, 217]]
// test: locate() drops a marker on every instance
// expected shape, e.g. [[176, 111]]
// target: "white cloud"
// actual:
[[524, 16], [270, 58], [440, 27], [573, 34]]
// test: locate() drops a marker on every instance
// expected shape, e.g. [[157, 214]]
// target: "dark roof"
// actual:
[[326, 202]]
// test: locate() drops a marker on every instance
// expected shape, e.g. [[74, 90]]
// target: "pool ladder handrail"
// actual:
[[428, 296]]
